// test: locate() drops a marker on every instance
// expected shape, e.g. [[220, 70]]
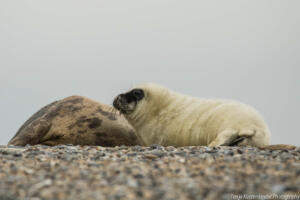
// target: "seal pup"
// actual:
[[76, 120], [161, 116]]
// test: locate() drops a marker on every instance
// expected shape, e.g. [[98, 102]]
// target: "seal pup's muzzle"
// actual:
[[126, 102]]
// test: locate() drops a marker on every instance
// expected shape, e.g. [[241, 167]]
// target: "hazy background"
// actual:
[[244, 50]]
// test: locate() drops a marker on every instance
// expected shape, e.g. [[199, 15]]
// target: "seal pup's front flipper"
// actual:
[[232, 138], [235, 142], [225, 138]]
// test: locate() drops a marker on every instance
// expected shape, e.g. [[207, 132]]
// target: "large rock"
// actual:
[[79, 121]]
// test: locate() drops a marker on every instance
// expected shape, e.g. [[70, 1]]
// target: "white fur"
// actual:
[[168, 118]]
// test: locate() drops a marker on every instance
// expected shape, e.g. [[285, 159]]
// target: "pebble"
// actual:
[[278, 188], [150, 156], [158, 153], [35, 188], [155, 146]]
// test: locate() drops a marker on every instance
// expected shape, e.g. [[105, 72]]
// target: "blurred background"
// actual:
[[243, 50]]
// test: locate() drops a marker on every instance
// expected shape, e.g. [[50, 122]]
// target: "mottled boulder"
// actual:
[[79, 121]]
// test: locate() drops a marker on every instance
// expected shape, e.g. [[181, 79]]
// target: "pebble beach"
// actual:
[[155, 172]]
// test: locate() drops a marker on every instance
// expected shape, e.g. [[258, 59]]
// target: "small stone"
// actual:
[[123, 147], [132, 183], [136, 148], [240, 151], [181, 153], [210, 150], [170, 148], [138, 176], [35, 188], [139, 193], [158, 153], [132, 154], [155, 146], [150, 156], [17, 155], [277, 189], [229, 152], [27, 170]]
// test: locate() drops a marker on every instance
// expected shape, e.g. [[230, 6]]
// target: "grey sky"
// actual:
[[244, 50]]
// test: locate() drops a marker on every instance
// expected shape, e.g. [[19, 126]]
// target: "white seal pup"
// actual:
[[164, 117]]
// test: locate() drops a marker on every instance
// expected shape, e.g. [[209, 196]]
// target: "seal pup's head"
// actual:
[[142, 100], [127, 102]]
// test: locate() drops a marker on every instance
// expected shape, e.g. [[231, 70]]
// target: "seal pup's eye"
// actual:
[[138, 94]]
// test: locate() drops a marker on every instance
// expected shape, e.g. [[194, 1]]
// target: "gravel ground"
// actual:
[[90, 172]]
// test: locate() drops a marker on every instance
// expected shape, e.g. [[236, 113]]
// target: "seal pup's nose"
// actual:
[[119, 100]]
